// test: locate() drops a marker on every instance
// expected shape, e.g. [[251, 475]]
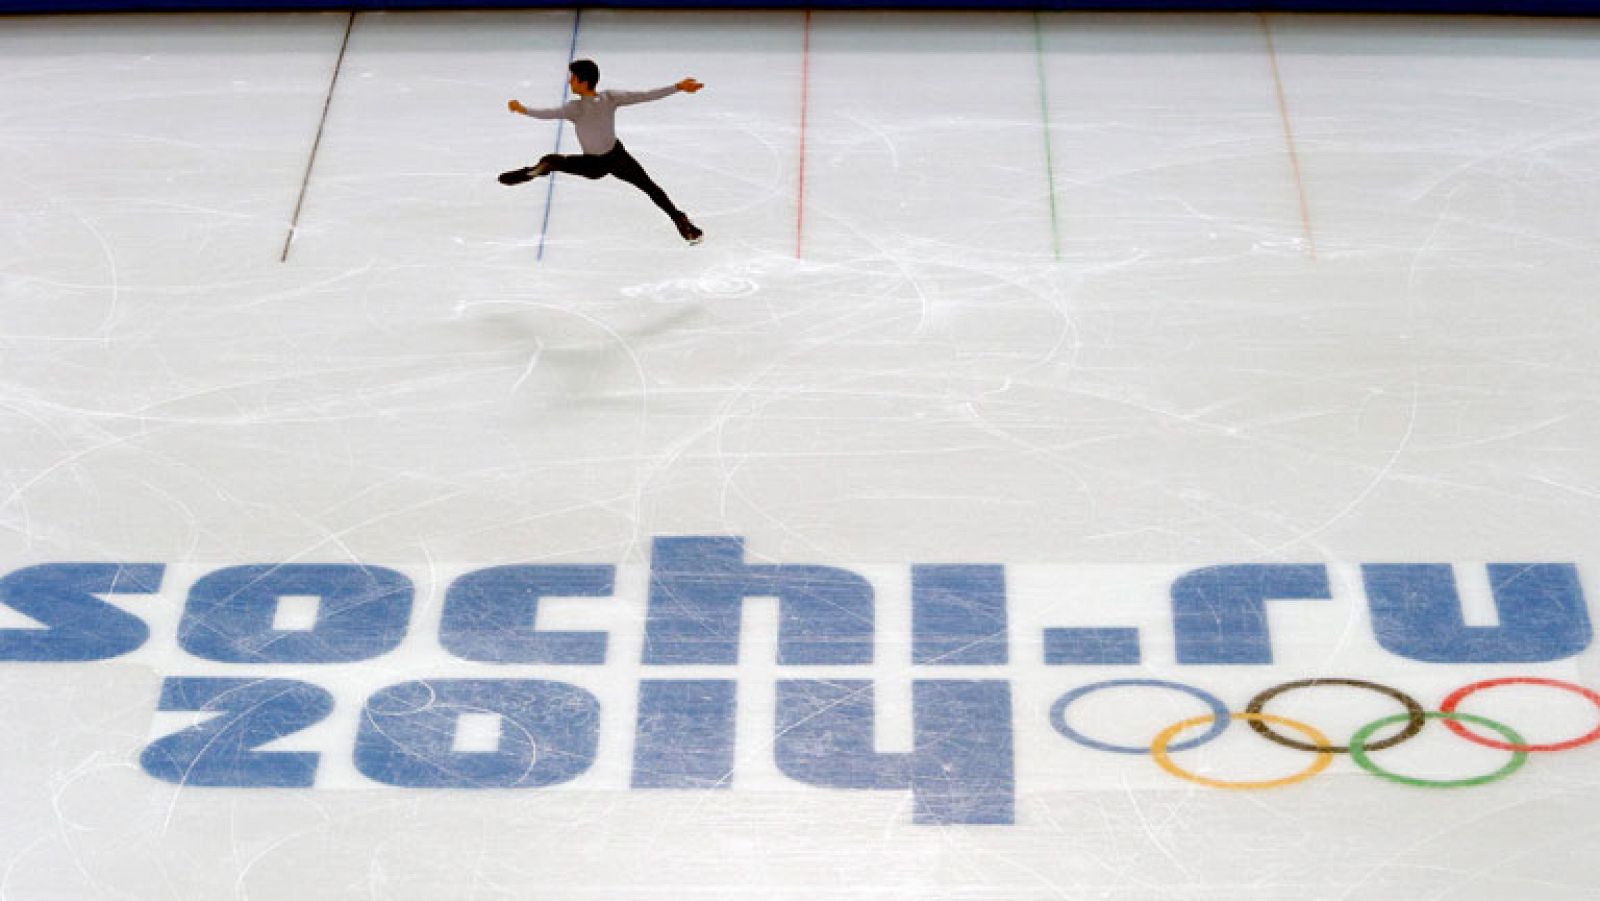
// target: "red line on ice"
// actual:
[[1288, 138]]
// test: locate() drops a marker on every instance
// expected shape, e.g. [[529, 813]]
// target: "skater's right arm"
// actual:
[[557, 112]]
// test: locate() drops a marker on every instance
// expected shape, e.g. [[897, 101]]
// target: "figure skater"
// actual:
[[593, 116]]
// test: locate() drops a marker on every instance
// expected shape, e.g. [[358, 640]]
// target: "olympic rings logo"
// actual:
[[1360, 745]]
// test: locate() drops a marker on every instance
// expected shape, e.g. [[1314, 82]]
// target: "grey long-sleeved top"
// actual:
[[595, 118]]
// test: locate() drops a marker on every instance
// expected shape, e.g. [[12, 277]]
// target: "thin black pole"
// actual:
[[294, 222]]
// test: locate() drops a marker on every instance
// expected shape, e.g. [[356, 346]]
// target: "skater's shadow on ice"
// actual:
[[569, 358]]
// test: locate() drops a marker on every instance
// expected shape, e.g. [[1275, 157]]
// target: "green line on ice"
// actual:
[[1049, 154]]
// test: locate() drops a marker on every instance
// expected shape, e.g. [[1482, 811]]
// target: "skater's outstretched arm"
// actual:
[[555, 112], [628, 98]]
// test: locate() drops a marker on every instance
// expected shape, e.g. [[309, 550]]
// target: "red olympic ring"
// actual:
[[1459, 728]]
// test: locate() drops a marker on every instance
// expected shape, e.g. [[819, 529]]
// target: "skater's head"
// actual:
[[585, 75]]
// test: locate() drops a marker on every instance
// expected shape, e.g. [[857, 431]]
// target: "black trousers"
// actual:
[[616, 162]]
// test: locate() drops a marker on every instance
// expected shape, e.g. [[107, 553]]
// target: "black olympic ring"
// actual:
[[1416, 717]]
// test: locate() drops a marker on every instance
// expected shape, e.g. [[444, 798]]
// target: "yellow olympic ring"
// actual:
[[1158, 749]]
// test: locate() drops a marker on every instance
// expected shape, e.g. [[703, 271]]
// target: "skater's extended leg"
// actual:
[[626, 168]]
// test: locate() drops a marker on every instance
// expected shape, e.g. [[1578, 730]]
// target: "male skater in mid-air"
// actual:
[[593, 116]]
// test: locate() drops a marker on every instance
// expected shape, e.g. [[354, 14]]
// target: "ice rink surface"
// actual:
[[1096, 304]]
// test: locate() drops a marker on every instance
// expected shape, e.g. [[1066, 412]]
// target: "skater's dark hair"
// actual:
[[586, 70]]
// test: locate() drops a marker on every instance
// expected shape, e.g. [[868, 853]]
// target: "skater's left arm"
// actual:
[[628, 98]]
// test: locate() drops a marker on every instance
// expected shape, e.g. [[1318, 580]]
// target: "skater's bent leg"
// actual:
[[575, 164]]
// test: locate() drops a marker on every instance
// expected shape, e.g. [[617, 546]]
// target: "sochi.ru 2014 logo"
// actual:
[[476, 689]]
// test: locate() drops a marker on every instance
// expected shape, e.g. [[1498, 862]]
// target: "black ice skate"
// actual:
[[518, 176], [687, 229]]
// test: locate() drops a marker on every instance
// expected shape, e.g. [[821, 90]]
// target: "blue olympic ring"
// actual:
[[1058, 715]]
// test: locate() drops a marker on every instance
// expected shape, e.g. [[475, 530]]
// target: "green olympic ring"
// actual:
[[1358, 751]]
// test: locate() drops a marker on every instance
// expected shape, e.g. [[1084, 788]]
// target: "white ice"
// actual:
[[1105, 300]]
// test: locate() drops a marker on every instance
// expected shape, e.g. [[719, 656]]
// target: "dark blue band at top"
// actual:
[[1502, 7]]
